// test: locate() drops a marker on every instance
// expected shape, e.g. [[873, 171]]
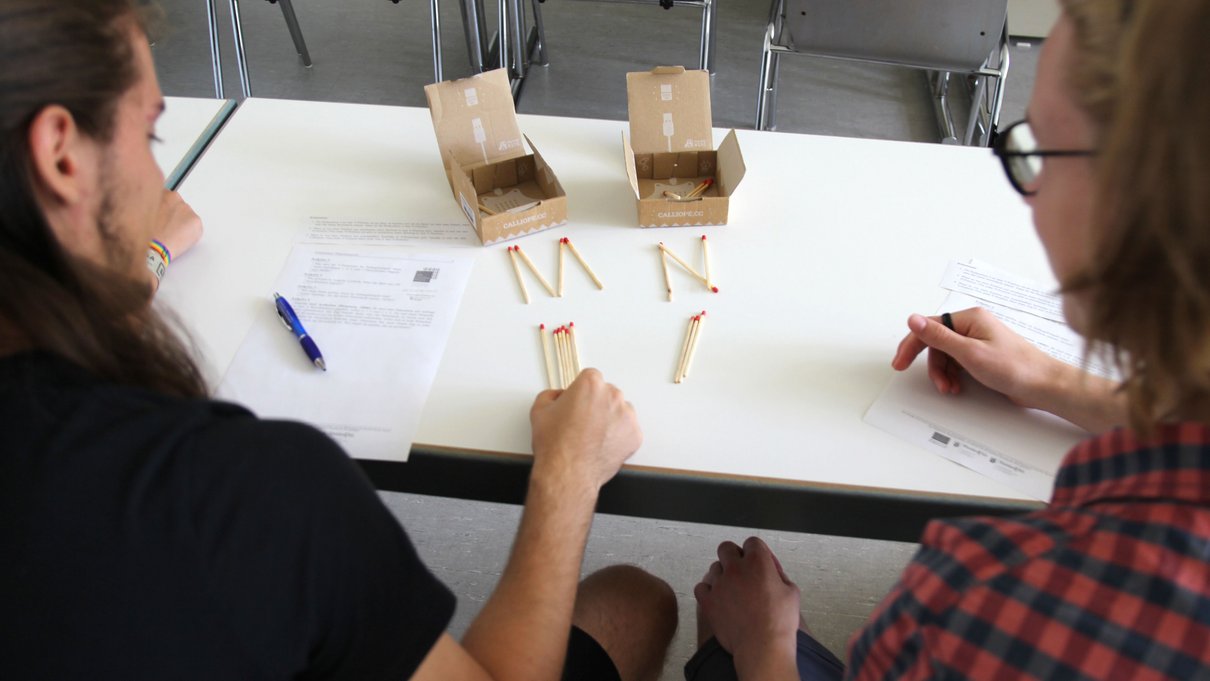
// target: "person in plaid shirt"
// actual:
[[1112, 579]]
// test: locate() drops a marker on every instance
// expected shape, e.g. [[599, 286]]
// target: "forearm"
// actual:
[[521, 633], [1089, 401]]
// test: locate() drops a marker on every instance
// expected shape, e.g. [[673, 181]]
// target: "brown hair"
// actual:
[[77, 55], [1140, 68]]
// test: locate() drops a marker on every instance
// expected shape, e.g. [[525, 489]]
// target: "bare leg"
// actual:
[[632, 614]]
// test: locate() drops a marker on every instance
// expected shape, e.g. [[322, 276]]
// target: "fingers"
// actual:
[[729, 554], [908, 349]]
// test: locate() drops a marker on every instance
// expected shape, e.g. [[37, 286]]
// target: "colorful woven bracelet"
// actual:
[[162, 250]]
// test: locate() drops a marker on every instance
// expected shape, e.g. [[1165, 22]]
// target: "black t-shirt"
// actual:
[[148, 537]]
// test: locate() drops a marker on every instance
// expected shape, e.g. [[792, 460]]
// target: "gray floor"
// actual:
[[373, 51]]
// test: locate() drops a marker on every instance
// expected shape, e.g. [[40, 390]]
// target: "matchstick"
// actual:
[[583, 263], [697, 333], [706, 257], [533, 268], [550, 370], [561, 259], [667, 277], [697, 191], [487, 210], [680, 362], [682, 263], [559, 358], [517, 271], [568, 361], [575, 348]]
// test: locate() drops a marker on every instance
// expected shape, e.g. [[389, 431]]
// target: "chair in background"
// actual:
[[512, 46], [943, 37], [300, 45], [709, 23]]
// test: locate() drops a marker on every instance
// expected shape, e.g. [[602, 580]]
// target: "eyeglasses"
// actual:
[[1018, 151]]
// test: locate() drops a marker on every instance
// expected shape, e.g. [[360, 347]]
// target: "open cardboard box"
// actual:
[[503, 191], [671, 149]]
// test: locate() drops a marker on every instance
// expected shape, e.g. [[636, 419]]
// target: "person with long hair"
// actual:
[[149, 532], [1112, 578]]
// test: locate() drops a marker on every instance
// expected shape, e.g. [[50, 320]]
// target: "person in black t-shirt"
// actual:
[[150, 532]]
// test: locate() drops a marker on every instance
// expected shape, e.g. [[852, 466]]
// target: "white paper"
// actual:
[[387, 232], [978, 428], [986, 282], [381, 317]]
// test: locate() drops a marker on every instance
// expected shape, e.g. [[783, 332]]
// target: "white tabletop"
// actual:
[[184, 129], [832, 243]]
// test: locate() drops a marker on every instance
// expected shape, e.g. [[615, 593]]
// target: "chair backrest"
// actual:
[[944, 35]]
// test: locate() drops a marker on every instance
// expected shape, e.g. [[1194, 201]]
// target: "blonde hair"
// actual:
[[1141, 69]]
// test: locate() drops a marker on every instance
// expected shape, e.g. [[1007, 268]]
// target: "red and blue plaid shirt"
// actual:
[[1110, 581]]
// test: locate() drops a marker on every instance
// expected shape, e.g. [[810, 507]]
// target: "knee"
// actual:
[[632, 614], [628, 588]]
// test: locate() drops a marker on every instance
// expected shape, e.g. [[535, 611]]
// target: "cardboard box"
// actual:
[[485, 160], [671, 149]]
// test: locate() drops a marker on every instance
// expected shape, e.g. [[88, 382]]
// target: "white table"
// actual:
[[831, 244], [187, 125]]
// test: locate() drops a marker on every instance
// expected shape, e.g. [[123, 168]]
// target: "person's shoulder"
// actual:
[[273, 460]]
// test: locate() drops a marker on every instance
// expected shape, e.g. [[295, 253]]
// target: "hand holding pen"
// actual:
[[290, 320]]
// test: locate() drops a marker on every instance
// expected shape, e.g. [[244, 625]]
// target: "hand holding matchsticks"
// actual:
[[582, 435], [563, 368]]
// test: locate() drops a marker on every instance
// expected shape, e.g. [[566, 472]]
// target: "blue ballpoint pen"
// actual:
[[290, 320]]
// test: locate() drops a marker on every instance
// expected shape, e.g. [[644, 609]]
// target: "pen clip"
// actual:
[[281, 312]]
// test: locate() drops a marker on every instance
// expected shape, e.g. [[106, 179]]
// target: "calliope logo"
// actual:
[[525, 221], [508, 144], [681, 214]]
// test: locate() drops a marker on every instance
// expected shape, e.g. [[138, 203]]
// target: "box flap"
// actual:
[[546, 177], [629, 154], [731, 166], [669, 110], [474, 119]]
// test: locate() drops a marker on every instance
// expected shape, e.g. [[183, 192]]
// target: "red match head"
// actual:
[[703, 313], [703, 237], [571, 324], [714, 289], [709, 181]]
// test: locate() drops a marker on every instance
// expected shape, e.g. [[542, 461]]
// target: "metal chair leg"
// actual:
[[766, 83], [435, 13], [502, 39], [975, 118], [998, 93], [475, 28], [940, 82], [539, 28], [240, 58], [216, 60], [516, 19], [709, 22], [300, 45]]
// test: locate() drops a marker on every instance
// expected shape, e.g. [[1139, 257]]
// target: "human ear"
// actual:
[[57, 152]]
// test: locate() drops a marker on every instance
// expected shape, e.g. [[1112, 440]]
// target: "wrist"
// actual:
[[551, 477]]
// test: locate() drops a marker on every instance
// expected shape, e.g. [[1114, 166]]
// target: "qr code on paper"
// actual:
[[425, 275]]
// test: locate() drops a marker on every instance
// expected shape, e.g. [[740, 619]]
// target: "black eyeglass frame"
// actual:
[[1000, 149]]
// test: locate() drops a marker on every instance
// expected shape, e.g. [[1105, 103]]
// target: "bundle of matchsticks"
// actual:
[[694, 193], [666, 253], [689, 347], [515, 251], [564, 366]]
